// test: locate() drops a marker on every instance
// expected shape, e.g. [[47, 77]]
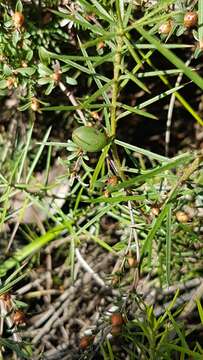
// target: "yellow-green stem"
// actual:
[[115, 90]]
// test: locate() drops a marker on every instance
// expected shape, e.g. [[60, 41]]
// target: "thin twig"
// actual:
[[12, 236], [60, 306], [73, 101], [24, 289], [87, 268], [134, 232], [197, 294], [171, 108], [49, 280]]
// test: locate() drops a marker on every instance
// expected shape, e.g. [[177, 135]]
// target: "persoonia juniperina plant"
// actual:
[[145, 198]]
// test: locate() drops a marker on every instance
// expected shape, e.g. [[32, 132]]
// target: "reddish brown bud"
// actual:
[[10, 82], [113, 180], [35, 104], [182, 217], [190, 19], [6, 298], [100, 45], [56, 76], [115, 279], [19, 317], [166, 27], [85, 341], [24, 64], [132, 261], [18, 19], [117, 319], [155, 211], [106, 193], [95, 115]]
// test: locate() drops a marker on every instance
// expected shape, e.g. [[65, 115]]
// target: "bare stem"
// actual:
[[115, 91], [73, 101]]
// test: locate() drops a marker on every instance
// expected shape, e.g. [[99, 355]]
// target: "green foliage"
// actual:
[[73, 65]]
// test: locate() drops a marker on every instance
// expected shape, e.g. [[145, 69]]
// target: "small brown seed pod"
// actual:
[[166, 27], [10, 82], [100, 45], [56, 76], [190, 19], [6, 297], [155, 211], [106, 193], [85, 341], [113, 180], [19, 317], [132, 261], [182, 217], [95, 115], [115, 279], [117, 319], [24, 64], [35, 105], [18, 19]]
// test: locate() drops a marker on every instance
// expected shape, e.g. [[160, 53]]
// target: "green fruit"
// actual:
[[89, 139]]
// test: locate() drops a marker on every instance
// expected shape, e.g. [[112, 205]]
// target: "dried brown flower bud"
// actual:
[[19, 317], [24, 64], [190, 19], [56, 76], [95, 115], [18, 19], [166, 27], [182, 217], [85, 341], [35, 105], [100, 45], [155, 211], [10, 82], [113, 180], [6, 298], [132, 261], [117, 319], [106, 193]]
